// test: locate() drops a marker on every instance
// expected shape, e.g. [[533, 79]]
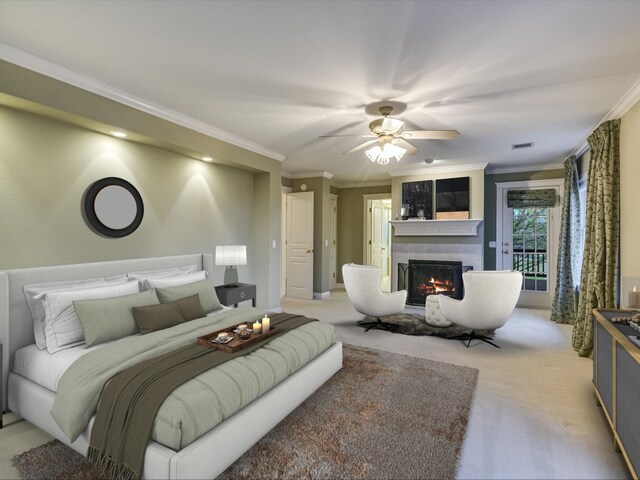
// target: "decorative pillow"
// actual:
[[37, 312], [157, 317], [190, 307], [62, 327], [143, 276], [204, 288], [175, 280], [109, 319]]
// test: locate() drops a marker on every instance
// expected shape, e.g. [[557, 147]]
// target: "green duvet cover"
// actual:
[[202, 403]]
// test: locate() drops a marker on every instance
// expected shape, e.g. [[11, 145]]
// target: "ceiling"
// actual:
[[281, 73]]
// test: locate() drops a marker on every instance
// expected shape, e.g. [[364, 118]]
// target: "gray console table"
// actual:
[[616, 378]]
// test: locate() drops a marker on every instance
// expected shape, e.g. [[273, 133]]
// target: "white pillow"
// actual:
[[62, 327], [142, 276], [37, 313], [175, 280]]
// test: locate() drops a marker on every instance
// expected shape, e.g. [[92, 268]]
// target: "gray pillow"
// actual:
[[204, 288], [111, 318]]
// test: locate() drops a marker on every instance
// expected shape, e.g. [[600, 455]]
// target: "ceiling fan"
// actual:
[[390, 138]]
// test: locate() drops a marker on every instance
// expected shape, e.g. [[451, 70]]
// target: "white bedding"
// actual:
[[46, 368]]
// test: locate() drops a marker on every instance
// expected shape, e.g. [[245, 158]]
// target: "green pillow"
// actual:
[[109, 319], [157, 317], [204, 288]]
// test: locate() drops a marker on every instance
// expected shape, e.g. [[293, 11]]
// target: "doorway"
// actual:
[[377, 238], [527, 241]]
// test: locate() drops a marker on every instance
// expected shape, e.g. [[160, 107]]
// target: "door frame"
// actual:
[[554, 221], [366, 230], [333, 201], [283, 239]]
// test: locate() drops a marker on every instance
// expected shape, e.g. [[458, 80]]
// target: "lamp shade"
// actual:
[[231, 255]]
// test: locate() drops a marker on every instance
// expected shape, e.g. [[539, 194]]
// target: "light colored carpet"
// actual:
[[382, 416]]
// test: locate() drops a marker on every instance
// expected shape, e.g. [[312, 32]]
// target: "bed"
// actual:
[[29, 387]]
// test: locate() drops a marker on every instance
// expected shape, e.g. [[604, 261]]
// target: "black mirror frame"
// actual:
[[92, 217]]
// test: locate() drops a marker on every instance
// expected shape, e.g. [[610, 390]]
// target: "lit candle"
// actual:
[[257, 328], [634, 298], [266, 324]]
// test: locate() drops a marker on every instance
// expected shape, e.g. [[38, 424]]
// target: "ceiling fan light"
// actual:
[[384, 154]]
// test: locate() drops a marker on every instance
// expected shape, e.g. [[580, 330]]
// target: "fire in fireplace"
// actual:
[[422, 278]]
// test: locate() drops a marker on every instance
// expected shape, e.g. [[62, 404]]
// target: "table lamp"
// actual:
[[230, 256]]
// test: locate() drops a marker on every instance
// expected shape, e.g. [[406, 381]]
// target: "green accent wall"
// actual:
[[490, 193], [51, 151], [351, 224]]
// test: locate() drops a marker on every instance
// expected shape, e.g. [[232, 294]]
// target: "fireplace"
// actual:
[[422, 278]]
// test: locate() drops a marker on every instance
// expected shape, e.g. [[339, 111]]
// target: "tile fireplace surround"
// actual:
[[468, 254]]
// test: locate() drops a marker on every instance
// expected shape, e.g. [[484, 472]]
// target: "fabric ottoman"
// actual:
[[433, 315]]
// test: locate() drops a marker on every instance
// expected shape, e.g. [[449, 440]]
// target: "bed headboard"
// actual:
[[16, 325]]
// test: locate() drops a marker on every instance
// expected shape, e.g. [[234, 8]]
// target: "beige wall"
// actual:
[[476, 200], [629, 197]]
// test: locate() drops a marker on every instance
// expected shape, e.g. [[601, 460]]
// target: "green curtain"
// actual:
[[565, 300], [598, 283]]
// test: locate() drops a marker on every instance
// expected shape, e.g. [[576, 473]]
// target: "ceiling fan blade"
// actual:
[[359, 136], [429, 134], [360, 147], [406, 145]]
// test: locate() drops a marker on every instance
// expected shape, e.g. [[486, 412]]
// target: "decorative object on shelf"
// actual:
[[230, 256], [417, 196], [452, 198], [113, 207], [630, 292]]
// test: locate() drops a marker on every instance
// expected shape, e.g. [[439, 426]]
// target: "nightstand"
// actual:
[[234, 295]]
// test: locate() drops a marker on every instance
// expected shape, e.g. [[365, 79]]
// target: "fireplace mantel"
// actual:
[[436, 228]]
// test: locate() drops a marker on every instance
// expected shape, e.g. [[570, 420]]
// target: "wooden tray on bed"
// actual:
[[235, 344]]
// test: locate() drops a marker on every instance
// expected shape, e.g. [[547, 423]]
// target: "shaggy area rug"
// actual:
[[382, 416], [411, 324]]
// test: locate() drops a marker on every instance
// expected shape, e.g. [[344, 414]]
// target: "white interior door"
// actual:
[[528, 243], [300, 245]]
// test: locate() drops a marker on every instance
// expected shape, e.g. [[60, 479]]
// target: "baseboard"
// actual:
[[321, 296], [276, 309], [339, 285]]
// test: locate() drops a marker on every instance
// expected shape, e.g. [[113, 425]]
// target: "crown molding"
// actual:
[[627, 101], [523, 168], [465, 167], [381, 183], [292, 176], [40, 65]]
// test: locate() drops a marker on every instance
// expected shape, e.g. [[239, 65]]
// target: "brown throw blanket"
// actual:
[[132, 398]]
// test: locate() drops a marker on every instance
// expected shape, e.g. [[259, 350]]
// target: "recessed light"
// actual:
[[117, 133], [207, 159]]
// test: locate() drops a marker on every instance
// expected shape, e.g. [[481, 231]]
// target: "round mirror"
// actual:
[[113, 207]]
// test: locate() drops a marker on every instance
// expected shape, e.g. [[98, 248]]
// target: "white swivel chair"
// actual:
[[362, 283], [489, 300]]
